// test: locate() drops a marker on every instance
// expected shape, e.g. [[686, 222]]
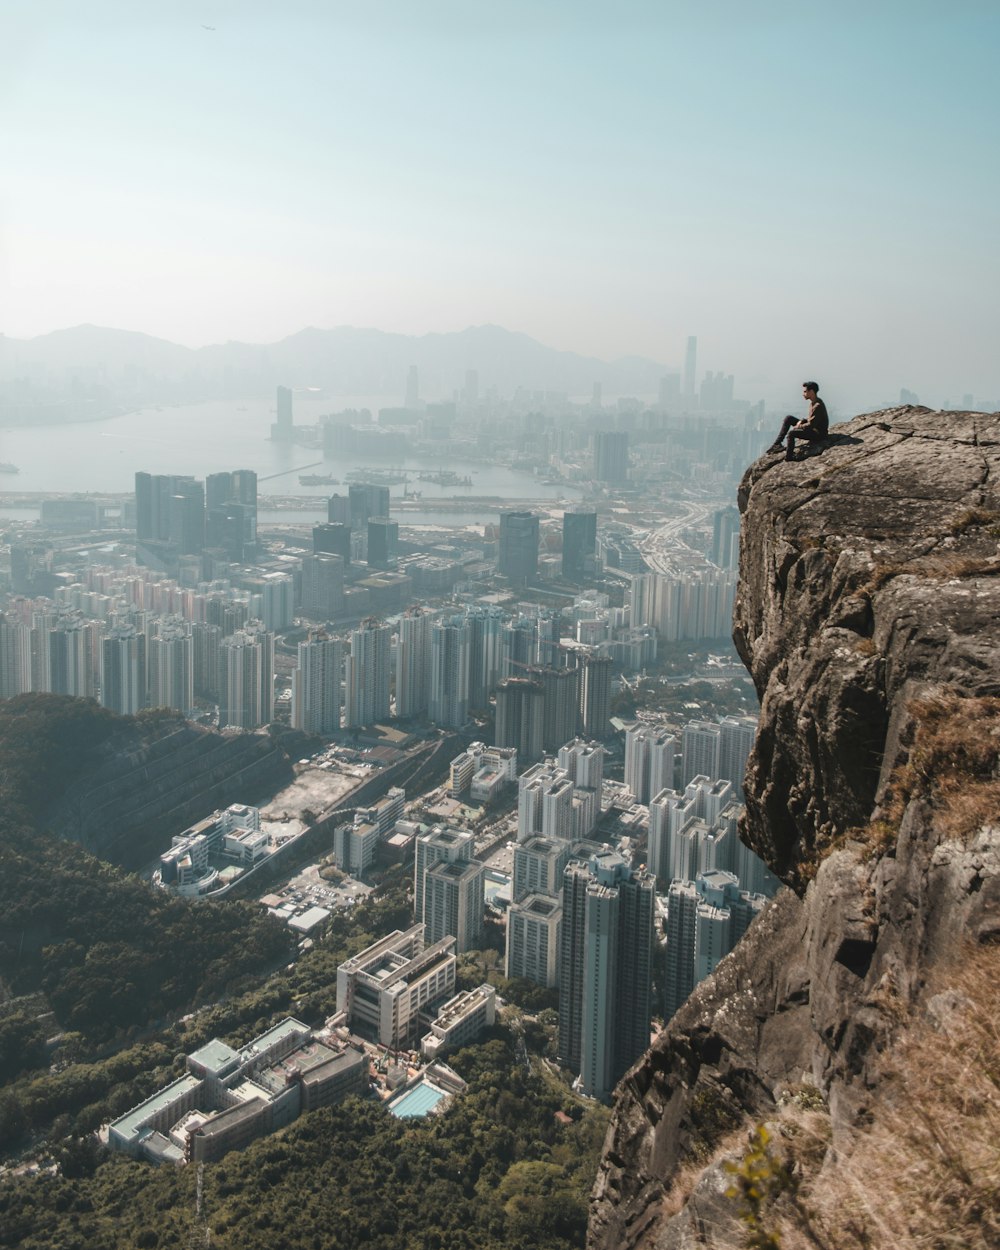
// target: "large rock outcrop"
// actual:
[[868, 614]]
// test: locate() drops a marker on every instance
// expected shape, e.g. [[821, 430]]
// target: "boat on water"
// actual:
[[9, 468], [444, 477], [379, 477], [318, 479]]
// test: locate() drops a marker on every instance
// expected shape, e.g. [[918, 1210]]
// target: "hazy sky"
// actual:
[[810, 188]]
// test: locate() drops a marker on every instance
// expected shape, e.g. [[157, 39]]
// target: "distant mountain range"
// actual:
[[343, 361]]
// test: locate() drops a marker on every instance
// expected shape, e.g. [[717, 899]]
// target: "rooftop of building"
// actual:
[[214, 1056], [130, 1125]]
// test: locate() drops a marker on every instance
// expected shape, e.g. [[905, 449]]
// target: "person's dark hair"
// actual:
[[811, 386]]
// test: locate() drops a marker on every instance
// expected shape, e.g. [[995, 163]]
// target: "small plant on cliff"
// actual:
[[759, 1179]]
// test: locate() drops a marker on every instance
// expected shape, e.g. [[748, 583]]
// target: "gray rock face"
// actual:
[[869, 578]]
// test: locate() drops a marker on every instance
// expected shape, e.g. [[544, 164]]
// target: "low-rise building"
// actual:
[[228, 1097], [383, 990], [460, 1021]]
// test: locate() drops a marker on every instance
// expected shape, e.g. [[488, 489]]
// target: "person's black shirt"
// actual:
[[818, 418]]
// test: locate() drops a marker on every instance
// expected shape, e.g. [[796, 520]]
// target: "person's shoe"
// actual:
[[791, 455], [774, 449]]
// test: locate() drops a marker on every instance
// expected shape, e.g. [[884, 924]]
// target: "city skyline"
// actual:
[[768, 181]]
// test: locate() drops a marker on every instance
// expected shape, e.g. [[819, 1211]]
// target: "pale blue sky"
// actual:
[[812, 189]]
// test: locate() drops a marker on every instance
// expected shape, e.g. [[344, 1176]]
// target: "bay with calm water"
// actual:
[[197, 439]]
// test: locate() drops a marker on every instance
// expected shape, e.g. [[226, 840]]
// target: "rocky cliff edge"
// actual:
[[868, 614]]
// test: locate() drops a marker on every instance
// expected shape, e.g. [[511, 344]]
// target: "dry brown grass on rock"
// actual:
[[953, 762], [924, 1174]]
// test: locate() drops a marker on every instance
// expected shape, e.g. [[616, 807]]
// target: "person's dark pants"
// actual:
[[807, 435]]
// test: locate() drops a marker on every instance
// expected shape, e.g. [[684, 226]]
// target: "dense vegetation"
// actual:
[[109, 953], [118, 963], [496, 1170]]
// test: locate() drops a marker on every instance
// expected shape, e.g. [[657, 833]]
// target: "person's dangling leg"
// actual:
[[778, 444]]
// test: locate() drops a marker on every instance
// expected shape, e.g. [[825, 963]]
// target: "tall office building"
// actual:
[[238, 486], [368, 674], [604, 970], [171, 663], [186, 533], [246, 678], [367, 500], [322, 587], [611, 456], [650, 753], [520, 718], [691, 368], [123, 670], [316, 696], [338, 511], [232, 529], [170, 512], [579, 543], [383, 542], [454, 903], [517, 557], [206, 659], [333, 539], [413, 663], [70, 657], [561, 694], [532, 951], [736, 740], [485, 638], [440, 846], [449, 686], [283, 429], [595, 695], [15, 657]]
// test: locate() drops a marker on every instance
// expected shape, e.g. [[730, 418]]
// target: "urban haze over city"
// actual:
[[375, 388]]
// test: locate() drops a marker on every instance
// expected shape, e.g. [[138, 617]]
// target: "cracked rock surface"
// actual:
[[869, 578]]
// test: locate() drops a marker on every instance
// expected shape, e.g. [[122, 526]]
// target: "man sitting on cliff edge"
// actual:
[[813, 429]]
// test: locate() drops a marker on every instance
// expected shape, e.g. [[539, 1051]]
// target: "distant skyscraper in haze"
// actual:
[[449, 689], [561, 693], [605, 975], [412, 387], [333, 539], [470, 392], [15, 657], [70, 667], [579, 542], [171, 663], [316, 697], [691, 368], [283, 428], [611, 456], [367, 499], [520, 718], [322, 587], [517, 557], [595, 695], [413, 663], [383, 541], [246, 698], [368, 674], [338, 510], [123, 670]]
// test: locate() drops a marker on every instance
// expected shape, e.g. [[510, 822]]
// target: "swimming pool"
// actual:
[[417, 1102]]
